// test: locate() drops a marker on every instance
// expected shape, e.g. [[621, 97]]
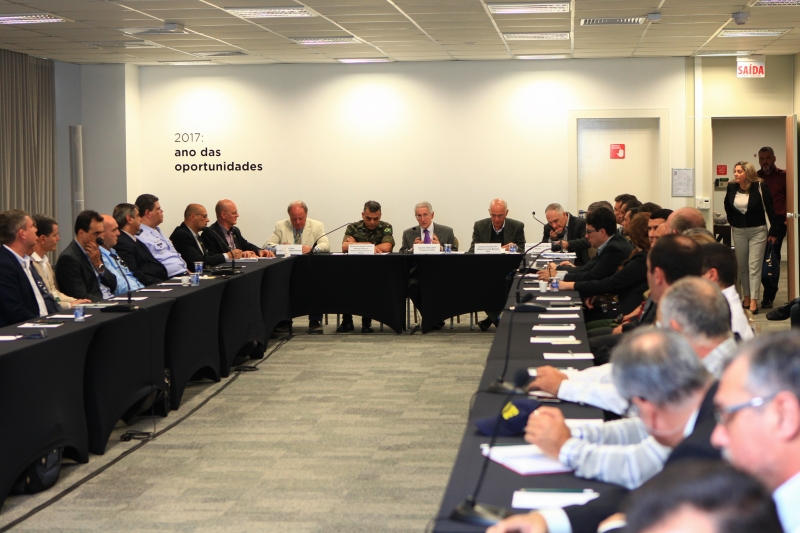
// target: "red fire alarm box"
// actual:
[[722, 170], [617, 151]]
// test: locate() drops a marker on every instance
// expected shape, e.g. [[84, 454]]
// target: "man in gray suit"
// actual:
[[498, 228], [425, 232]]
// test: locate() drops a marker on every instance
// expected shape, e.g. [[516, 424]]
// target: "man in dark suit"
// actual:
[[659, 373], [426, 232], [564, 227], [80, 271], [146, 268], [612, 249], [24, 294], [223, 235], [186, 239], [498, 228]]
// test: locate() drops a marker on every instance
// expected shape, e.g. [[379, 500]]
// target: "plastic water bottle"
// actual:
[[554, 285], [512, 248], [78, 313]]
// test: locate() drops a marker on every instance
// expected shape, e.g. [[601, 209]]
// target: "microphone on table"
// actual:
[[536, 219], [314, 246], [500, 385], [124, 308], [525, 269], [470, 510]]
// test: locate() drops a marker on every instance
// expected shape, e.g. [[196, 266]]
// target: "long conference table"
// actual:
[[500, 483], [71, 388]]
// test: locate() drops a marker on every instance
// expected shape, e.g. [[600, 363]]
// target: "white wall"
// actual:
[[455, 133]]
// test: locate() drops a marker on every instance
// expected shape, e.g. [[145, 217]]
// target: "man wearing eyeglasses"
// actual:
[[758, 418], [425, 232], [186, 239]]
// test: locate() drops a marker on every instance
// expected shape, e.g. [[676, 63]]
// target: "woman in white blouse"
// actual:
[[748, 204]]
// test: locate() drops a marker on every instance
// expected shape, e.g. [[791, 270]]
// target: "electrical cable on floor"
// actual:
[[143, 440]]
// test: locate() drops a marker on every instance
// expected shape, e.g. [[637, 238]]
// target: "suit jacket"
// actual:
[[313, 232], [146, 268], [629, 284], [18, 302], [76, 275], [514, 231], [755, 215], [445, 234], [215, 242], [184, 242], [586, 518], [604, 264]]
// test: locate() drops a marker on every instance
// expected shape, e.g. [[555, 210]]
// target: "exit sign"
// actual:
[[617, 151]]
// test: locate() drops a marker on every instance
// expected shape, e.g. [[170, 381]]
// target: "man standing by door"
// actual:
[[775, 179]]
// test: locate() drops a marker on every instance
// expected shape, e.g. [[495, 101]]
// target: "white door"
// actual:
[[604, 172]]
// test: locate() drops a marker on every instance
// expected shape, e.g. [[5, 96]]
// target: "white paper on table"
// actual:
[[361, 248], [283, 250], [554, 298], [530, 288], [488, 248], [572, 308], [170, 284], [541, 394], [549, 316], [572, 356], [551, 340], [67, 316], [154, 290], [6, 338], [535, 499], [524, 459], [554, 327], [243, 260], [534, 370], [427, 249], [39, 326], [125, 298]]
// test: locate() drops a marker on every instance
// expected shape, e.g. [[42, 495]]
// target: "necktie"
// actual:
[[298, 237], [427, 238], [37, 294]]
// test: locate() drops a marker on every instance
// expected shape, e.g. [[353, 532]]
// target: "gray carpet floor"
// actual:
[[334, 433]]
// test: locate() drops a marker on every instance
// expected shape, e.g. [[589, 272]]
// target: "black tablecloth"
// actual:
[[374, 286], [276, 293], [41, 394], [124, 363], [456, 284]]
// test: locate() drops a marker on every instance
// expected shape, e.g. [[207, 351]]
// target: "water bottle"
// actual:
[[78, 313], [512, 248], [554, 285], [195, 280], [198, 266]]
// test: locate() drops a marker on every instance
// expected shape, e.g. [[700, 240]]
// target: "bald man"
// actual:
[[186, 239], [498, 228], [685, 218], [222, 236]]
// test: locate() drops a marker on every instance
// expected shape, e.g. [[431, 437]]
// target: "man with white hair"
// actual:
[[758, 418], [564, 227], [299, 229], [425, 232]]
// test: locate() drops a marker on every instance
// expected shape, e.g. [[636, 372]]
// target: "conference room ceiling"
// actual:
[[400, 30]]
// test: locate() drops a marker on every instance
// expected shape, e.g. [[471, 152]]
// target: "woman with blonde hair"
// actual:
[[748, 205]]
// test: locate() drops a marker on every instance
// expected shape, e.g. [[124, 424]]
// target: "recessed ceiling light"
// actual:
[[270, 12], [311, 41], [123, 44], [518, 8], [229, 53], [613, 21], [169, 28], [752, 33], [187, 63], [768, 3], [545, 56], [722, 53], [31, 18], [539, 36], [366, 60]]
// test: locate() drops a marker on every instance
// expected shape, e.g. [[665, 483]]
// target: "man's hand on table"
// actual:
[[521, 523], [546, 429], [548, 379]]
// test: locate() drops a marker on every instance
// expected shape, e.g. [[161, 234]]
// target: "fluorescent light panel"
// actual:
[[123, 44], [170, 28], [311, 41], [722, 53], [270, 12], [540, 36], [545, 56], [627, 21], [365, 60], [520, 8], [31, 18], [769, 3], [230, 53], [752, 33], [187, 63]]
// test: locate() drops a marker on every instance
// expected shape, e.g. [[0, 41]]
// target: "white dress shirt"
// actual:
[[25, 263], [786, 499]]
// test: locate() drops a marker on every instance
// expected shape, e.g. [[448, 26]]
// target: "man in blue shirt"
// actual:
[[151, 236], [126, 281]]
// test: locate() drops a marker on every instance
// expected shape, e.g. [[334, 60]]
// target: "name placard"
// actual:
[[482, 248], [288, 249], [360, 248], [426, 249]]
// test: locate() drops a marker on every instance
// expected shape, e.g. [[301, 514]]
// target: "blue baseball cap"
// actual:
[[512, 421]]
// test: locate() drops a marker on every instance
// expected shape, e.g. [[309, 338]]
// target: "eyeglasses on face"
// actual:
[[723, 415]]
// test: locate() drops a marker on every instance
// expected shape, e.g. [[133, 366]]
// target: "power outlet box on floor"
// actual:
[[703, 203]]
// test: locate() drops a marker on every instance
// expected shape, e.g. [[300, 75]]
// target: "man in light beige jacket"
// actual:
[[47, 241], [299, 229]]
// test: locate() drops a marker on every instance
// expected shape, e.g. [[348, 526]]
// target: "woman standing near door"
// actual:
[[748, 205]]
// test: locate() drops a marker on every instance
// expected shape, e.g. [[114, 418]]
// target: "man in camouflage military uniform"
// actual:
[[370, 230]]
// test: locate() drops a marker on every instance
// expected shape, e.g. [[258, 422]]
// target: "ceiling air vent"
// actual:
[[627, 21], [230, 53]]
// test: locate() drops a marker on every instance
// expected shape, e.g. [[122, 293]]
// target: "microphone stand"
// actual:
[[314, 246]]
